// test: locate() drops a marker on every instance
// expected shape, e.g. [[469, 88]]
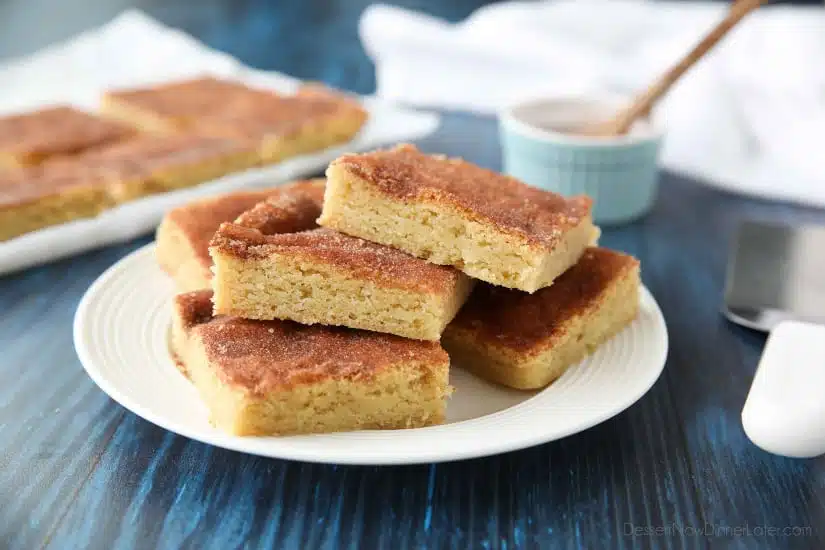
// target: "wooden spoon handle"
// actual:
[[643, 103]]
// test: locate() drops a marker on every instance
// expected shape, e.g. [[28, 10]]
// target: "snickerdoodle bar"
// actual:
[[312, 119], [450, 212], [30, 138], [179, 106], [264, 269], [279, 126], [34, 198], [280, 377], [155, 164], [526, 341]]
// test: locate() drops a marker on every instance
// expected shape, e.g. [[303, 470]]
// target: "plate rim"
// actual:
[[488, 446]]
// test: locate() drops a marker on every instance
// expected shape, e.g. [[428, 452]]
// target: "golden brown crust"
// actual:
[[39, 134], [295, 209], [261, 356], [541, 217], [187, 101], [529, 322], [194, 308], [361, 259], [147, 155], [285, 224], [24, 186], [282, 116], [222, 107], [199, 220], [138, 158]]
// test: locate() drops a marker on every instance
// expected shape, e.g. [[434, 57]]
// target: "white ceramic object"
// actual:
[[121, 336], [784, 413]]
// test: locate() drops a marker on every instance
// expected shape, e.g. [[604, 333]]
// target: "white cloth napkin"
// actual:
[[135, 50], [748, 118]]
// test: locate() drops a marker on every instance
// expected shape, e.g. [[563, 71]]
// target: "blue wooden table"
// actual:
[[673, 471]]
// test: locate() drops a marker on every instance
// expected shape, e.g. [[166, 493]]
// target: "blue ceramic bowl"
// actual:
[[619, 173]]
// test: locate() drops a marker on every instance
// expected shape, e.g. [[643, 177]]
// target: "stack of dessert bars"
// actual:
[[59, 164], [338, 305]]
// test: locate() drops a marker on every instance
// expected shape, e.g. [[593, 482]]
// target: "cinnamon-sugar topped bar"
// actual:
[[280, 377], [528, 340], [30, 138], [451, 212], [264, 268]]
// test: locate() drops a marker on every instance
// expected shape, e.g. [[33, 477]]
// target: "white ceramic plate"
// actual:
[[120, 333]]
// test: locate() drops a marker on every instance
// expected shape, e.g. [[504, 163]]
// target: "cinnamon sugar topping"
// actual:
[[284, 115], [30, 184], [145, 155], [229, 108], [192, 99], [404, 172], [136, 158], [199, 220], [295, 208], [521, 321], [56, 130], [285, 224], [264, 355]]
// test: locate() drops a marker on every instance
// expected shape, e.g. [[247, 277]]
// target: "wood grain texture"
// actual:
[[78, 471]]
